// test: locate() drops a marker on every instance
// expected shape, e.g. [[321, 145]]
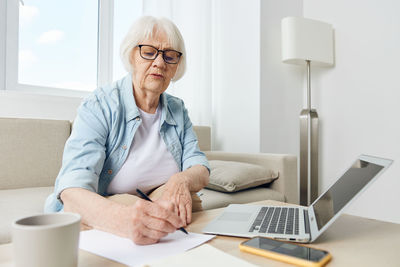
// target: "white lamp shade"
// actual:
[[306, 39]]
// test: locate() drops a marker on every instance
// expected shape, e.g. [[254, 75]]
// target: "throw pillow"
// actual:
[[232, 176]]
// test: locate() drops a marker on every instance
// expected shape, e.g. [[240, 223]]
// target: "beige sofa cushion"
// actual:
[[232, 176], [31, 151]]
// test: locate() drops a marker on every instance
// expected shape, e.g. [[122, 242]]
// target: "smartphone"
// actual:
[[286, 252]]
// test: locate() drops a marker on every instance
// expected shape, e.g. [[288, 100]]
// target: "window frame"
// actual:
[[104, 51]]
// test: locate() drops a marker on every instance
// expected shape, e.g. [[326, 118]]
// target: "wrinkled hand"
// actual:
[[177, 192], [150, 221]]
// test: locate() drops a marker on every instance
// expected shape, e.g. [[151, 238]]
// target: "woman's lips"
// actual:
[[157, 76]]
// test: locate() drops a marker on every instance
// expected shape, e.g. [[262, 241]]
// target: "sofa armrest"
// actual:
[[285, 164]]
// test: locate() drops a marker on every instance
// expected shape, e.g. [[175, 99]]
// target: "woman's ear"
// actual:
[[132, 56], [132, 60]]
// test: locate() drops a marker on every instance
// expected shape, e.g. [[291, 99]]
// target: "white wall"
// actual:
[[251, 85], [236, 75], [281, 84], [358, 99]]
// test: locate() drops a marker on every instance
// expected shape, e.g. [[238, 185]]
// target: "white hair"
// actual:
[[142, 29]]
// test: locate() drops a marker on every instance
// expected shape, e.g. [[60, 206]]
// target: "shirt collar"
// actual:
[[166, 114]]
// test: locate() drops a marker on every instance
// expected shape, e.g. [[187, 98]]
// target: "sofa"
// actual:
[[31, 153]]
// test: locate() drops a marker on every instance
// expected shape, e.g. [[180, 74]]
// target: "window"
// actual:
[[65, 47], [58, 44]]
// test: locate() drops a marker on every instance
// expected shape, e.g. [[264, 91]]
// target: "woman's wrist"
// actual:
[[180, 180]]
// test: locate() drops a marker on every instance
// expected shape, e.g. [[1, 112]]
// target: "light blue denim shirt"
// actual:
[[102, 135]]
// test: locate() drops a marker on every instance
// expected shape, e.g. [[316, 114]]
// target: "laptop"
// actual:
[[298, 223]]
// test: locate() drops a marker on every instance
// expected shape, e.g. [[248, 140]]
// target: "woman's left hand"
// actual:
[[177, 191]]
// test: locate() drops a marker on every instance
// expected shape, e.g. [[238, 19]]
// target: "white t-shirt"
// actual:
[[149, 163]]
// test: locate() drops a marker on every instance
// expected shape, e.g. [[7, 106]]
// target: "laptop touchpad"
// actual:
[[235, 216]]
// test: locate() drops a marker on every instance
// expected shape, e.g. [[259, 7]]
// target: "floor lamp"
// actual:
[[306, 42]]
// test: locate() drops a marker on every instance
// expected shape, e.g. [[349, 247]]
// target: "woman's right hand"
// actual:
[[150, 221]]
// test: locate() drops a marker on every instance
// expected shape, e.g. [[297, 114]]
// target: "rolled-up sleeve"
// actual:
[[85, 150], [191, 154]]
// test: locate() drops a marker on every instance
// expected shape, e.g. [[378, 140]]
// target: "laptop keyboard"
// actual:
[[277, 220]]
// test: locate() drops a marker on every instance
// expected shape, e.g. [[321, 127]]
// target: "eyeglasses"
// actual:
[[150, 52]]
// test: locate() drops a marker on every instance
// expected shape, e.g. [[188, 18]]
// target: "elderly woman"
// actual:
[[132, 135]]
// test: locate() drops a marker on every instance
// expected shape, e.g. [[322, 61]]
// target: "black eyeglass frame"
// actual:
[[158, 52]]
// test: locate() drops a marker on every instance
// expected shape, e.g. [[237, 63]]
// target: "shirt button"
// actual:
[[109, 171], [124, 147], [137, 118]]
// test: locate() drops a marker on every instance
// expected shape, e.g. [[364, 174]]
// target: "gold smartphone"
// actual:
[[286, 252]]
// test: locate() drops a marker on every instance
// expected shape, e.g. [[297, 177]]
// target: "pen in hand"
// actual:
[[144, 196]]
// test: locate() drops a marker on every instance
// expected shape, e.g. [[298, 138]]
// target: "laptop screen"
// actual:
[[343, 190]]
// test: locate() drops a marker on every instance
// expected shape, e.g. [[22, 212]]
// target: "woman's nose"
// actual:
[[159, 60]]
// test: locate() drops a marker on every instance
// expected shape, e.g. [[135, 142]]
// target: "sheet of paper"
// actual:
[[123, 250], [202, 256]]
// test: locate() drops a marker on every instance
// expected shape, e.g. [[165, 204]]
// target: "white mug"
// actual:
[[46, 240]]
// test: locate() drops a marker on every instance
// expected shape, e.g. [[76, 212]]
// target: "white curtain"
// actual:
[[193, 18]]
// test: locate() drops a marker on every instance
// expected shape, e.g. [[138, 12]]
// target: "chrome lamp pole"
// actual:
[[308, 149], [304, 41]]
